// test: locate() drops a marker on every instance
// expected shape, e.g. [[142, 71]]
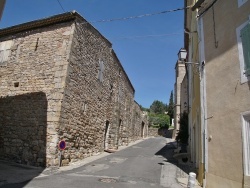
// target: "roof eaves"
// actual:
[[39, 23]]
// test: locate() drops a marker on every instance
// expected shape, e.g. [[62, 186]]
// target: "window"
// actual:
[[100, 71], [246, 142], [5, 48], [241, 2], [243, 38]]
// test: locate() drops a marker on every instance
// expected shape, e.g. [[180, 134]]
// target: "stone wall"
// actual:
[[153, 132], [36, 64], [64, 82], [23, 130], [98, 106]]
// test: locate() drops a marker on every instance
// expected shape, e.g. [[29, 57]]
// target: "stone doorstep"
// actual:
[[184, 181]]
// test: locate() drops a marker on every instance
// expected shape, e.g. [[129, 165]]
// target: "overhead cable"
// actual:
[[146, 36], [61, 5], [140, 16]]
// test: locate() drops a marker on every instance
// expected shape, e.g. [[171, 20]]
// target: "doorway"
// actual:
[[142, 129], [106, 135]]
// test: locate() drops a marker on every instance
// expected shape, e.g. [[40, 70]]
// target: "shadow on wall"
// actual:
[[23, 128]]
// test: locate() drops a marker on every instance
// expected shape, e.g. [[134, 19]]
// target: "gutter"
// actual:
[[197, 4]]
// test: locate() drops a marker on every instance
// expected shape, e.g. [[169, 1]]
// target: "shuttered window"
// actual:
[[246, 140], [5, 48], [245, 38]]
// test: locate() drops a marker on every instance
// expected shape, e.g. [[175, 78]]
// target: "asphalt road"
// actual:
[[144, 165]]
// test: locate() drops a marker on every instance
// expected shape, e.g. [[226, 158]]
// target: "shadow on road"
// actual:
[[167, 152]]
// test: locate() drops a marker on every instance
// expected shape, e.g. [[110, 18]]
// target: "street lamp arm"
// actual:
[[192, 63]]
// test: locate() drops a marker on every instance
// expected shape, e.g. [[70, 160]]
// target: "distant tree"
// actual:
[[170, 106], [157, 107], [159, 120]]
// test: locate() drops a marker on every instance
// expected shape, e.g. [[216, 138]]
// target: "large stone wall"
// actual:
[[97, 114], [23, 120], [37, 63], [51, 89]]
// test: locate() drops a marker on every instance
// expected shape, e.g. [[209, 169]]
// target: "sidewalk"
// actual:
[[176, 174]]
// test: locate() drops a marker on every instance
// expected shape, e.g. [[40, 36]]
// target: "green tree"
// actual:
[[159, 120], [157, 107], [182, 135], [170, 106]]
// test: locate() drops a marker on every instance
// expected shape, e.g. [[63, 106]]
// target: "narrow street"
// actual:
[[146, 164]]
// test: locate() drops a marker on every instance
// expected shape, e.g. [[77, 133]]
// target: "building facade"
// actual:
[[194, 67], [61, 80], [223, 35]]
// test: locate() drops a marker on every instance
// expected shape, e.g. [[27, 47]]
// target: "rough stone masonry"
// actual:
[[61, 80]]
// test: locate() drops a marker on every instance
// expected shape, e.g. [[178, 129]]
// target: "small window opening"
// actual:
[[16, 84], [84, 107], [111, 86]]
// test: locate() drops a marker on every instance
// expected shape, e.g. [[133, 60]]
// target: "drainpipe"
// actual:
[[203, 100]]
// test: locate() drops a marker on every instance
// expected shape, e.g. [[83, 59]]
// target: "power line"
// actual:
[[140, 16], [146, 36], [61, 5]]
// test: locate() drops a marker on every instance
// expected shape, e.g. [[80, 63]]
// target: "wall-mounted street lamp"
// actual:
[[182, 56]]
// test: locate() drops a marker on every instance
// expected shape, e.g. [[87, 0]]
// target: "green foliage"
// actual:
[[157, 107], [182, 135], [170, 106], [159, 120]]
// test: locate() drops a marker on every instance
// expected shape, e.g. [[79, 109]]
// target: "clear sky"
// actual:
[[147, 47]]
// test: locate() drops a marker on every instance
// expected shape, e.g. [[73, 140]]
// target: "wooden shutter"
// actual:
[[245, 38]]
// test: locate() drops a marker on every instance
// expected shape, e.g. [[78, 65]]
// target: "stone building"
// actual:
[[61, 80]]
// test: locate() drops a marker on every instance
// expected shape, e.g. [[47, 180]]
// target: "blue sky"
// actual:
[[148, 59]]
